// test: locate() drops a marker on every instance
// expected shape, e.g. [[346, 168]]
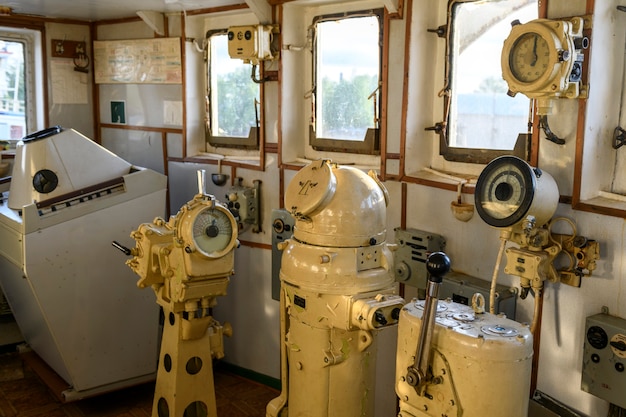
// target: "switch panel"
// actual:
[[282, 229], [245, 204], [604, 358], [414, 246]]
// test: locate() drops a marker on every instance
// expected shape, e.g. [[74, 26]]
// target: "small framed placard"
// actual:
[[118, 112]]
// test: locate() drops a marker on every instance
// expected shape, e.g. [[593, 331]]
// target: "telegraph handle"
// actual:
[[418, 374]]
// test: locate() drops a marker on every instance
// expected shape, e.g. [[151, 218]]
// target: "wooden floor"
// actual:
[[23, 394]]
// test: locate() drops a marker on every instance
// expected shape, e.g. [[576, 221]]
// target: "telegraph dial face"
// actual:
[[214, 231], [529, 58], [505, 191]]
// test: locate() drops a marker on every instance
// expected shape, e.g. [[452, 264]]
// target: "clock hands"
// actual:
[[535, 57]]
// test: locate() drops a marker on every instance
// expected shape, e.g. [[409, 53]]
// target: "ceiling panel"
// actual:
[[94, 10]]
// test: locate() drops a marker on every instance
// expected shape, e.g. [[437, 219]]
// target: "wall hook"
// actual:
[[619, 137]]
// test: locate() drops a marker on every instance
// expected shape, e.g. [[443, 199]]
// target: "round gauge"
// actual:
[[214, 231], [541, 59], [529, 58], [509, 191], [597, 337], [505, 191]]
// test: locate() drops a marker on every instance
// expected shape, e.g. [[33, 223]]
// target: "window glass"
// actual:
[[480, 113], [233, 97], [347, 62], [12, 90]]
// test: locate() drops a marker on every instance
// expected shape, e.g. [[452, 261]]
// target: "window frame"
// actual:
[[249, 143], [370, 145], [522, 147]]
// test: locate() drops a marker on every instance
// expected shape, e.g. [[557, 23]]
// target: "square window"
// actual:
[[347, 60], [232, 118], [481, 120]]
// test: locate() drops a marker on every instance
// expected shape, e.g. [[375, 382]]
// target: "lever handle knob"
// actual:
[[437, 265]]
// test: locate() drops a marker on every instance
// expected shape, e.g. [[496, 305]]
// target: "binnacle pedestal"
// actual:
[[187, 262], [337, 293]]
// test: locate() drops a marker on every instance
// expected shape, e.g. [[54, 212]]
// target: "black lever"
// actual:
[[127, 252]]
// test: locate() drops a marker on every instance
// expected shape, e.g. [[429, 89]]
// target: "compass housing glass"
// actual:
[[505, 191]]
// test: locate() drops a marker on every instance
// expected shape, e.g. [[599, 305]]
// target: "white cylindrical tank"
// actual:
[[481, 364], [337, 289]]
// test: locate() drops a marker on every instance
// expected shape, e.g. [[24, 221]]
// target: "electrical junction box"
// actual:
[[460, 288], [252, 43], [604, 358], [409, 258], [282, 229]]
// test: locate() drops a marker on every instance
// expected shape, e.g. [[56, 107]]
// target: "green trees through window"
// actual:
[[233, 97], [347, 56], [236, 96], [347, 108]]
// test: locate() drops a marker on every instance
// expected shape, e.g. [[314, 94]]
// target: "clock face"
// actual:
[[213, 233], [505, 191], [529, 58]]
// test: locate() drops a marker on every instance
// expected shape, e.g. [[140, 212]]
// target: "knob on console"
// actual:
[[437, 265]]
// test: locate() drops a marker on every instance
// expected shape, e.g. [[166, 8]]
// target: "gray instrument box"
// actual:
[[409, 258], [604, 358], [461, 288], [282, 229], [413, 249]]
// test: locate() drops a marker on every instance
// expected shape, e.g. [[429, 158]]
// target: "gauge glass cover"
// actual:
[[212, 231], [529, 57], [505, 191]]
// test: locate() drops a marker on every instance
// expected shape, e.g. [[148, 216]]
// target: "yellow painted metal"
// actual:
[[481, 364], [538, 58], [337, 289], [187, 262]]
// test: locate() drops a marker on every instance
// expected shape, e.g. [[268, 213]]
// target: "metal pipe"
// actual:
[[202, 182], [422, 359]]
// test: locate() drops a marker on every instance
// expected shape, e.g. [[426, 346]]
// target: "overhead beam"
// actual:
[[262, 9]]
